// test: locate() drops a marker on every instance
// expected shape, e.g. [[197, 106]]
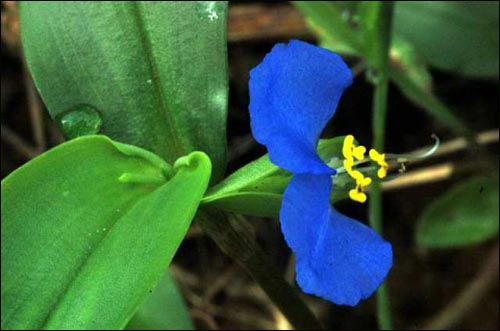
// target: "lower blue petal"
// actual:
[[338, 258]]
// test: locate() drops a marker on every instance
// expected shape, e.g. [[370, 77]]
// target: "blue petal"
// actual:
[[293, 95], [338, 258]]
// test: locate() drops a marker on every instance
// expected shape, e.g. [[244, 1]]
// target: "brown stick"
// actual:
[[257, 21], [439, 172], [18, 143]]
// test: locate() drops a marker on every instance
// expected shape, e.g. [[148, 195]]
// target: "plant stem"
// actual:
[[380, 32], [379, 113], [236, 239]]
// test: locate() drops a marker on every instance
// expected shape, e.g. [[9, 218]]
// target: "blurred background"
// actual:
[[449, 52]]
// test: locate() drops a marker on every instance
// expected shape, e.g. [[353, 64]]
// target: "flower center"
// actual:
[[352, 152], [355, 155]]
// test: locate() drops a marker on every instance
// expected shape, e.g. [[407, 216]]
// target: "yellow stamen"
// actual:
[[355, 174], [364, 182], [350, 150], [348, 147], [359, 152], [380, 159], [357, 195]]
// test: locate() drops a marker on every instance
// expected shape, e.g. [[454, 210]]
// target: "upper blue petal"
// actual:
[[338, 258], [294, 92]]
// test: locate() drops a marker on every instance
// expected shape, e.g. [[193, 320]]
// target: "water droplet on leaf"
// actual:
[[80, 121], [210, 10]]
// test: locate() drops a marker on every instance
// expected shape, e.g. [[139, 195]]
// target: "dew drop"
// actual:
[[80, 121], [103, 229], [149, 81], [210, 10]]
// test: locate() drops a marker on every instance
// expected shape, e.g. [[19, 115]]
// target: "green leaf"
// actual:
[[425, 98], [331, 21], [88, 228], [458, 36], [467, 214], [256, 189], [163, 309], [154, 72], [261, 204], [405, 59]]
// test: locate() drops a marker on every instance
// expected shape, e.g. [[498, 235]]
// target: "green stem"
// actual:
[[379, 113], [383, 309], [236, 239], [380, 31]]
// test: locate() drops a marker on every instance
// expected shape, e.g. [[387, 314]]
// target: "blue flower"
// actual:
[[293, 94]]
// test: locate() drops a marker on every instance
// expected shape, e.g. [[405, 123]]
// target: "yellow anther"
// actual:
[[380, 159], [364, 182], [350, 150], [348, 164], [376, 156], [357, 195], [355, 174], [359, 152], [348, 147]]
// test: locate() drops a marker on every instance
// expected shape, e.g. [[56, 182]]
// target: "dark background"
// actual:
[[218, 292]]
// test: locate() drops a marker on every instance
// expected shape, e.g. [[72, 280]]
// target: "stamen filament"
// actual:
[[354, 156], [401, 158]]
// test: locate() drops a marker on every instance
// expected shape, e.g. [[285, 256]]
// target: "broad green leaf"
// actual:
[[164, 309], [155, 73], [465, 215], [333, 23], [256, 189], [458, 36], [88, 228]]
